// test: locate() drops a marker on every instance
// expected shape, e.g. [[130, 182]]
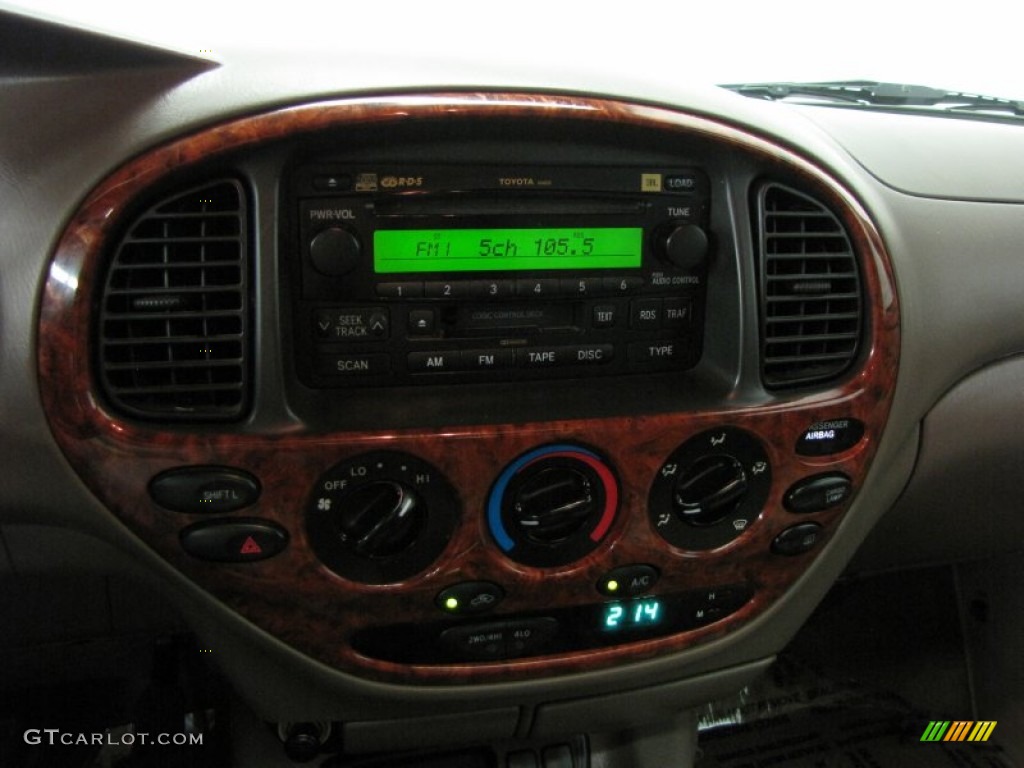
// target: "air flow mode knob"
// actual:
[[710, 489]]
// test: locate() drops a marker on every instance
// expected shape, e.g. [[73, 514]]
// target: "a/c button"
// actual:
[[628, 581]]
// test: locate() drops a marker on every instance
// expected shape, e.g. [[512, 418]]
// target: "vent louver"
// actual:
[[810, 290], [174, 312]]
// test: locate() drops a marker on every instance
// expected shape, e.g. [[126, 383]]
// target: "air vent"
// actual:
[[810, 290], [174, 311]]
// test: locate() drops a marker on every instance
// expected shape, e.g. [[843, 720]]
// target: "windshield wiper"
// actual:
[[872, 94]]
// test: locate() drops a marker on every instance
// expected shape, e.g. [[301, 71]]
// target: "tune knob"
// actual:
[[685, 246], [334, 251]]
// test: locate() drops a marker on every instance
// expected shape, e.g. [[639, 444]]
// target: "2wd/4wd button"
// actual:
[[478, 641], [242, 540]]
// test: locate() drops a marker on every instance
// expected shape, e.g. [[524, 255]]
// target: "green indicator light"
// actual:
[[491, 250], [612, 585], [451, 603]]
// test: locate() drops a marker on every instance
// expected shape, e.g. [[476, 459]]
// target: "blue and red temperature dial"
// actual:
[[552, 505]]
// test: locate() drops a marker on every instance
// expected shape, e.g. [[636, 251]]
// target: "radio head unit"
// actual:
[[439, 273]]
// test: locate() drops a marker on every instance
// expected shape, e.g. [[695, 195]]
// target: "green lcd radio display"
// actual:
[[506, 249]]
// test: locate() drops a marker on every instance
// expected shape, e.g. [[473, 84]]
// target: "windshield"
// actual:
[[974, 49]]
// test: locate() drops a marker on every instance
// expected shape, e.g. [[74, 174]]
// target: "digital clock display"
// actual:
[[631, 614], [489, 250]]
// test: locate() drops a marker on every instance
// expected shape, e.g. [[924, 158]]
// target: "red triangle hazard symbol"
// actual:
[[250, 547]]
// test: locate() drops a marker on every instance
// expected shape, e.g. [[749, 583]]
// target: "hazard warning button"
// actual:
[[239, 540]]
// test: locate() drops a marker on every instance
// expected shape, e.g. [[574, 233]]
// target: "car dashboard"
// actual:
[[491, 410]]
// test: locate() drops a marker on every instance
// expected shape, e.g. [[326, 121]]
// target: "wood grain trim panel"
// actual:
[[292, 596]]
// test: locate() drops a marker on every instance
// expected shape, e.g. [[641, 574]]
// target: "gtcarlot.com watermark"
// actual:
[[56, 737]]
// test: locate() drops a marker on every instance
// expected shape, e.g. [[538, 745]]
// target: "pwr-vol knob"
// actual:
[[552, 505], [710, 489], [334, 251], [381, 517]]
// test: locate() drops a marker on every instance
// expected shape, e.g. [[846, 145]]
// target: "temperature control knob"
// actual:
[[685, 246], [381, 517], [552, 505]]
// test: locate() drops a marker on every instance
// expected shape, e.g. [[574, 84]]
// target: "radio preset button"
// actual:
[[491, 289], [334, 251], [622, 285], [405, 290], [646, 313], [547, 286], [434, 362], [580, 287], [455, 289], [487, 359]]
